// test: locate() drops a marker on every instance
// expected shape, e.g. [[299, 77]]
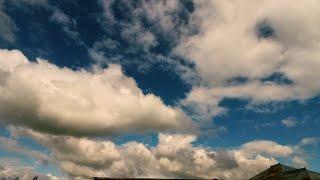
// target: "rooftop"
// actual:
[[280, 171]]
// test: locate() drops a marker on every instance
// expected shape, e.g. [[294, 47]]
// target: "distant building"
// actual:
[[283, 172], [275, 172]]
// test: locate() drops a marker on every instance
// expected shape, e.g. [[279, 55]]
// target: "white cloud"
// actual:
[[48, 98], [228, 47], [149, 28], [289, 122], [175, 156], [12, 146], [10, 168], [170, 145], [267, 147], [60, 17], [25, 173], [299, 162], [68, 24], [310, 141], [139, 36], [158, 12], [134, 32]]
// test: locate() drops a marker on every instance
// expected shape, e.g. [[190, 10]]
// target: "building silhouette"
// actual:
[[283, 172]]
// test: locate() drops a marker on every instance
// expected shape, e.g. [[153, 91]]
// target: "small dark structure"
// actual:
[[283, 172]]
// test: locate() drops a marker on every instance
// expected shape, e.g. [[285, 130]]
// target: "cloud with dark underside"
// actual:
[[173, 156], [44, 97], [262, 52]]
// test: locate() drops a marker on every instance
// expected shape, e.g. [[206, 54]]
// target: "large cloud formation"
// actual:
[[254, 41], [173, 156], [241, 45], [47, 98]]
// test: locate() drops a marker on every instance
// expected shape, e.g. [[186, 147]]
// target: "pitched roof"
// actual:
[[280, 171]]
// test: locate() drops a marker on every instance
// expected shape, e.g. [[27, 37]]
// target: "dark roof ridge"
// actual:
[[294, 170], [313, 171]]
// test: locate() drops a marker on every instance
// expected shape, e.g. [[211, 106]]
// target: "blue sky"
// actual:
[[234, 84]]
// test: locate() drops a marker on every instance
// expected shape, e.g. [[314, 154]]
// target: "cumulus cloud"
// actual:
[[58, 100], [175, 156], [253, 41], [238, 39], [267, 147]]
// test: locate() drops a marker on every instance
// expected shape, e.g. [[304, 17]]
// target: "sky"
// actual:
[[167, 89]]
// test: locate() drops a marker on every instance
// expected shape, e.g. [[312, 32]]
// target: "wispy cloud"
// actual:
[[7, 25], [13, 146], [289, 122], [68, 24]]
